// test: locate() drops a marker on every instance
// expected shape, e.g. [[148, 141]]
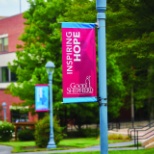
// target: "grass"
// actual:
[[19, 146], [79, 142], [148, 151], [22, 146]]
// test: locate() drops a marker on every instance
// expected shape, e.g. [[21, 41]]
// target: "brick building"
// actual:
[[10, 30]]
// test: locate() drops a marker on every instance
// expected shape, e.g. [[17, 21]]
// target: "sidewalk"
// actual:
[[5, 149], [113, 146]]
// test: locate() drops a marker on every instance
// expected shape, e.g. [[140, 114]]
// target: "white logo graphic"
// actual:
[[83, 88]]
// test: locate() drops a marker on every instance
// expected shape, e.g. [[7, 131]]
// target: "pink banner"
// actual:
[[79, 62]]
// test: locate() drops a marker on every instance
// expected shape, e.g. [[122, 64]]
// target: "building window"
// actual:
[[19, 113], [13, 77], [3, 44], [18, 116], [6, 75]]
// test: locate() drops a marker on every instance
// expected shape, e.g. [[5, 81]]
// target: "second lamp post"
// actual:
[[50, 69]]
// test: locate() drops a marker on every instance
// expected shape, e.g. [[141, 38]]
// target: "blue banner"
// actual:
[[41, 98]]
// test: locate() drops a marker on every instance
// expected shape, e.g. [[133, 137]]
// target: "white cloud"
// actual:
[[12, 7]]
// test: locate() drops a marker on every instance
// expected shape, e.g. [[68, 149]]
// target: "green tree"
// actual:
[[116, 89], [41, 42], [130, 34]]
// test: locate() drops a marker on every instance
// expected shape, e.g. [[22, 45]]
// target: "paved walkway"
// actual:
[[5, 149], [114, 146]]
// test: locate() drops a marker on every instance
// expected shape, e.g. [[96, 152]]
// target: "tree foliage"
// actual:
[[41, 42], [130, 40], [116, 89], [130, 31]]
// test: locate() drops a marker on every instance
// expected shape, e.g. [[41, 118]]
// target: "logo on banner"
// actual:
[[82, 88]]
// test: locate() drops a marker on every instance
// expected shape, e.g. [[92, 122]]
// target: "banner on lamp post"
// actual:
[[41, 98], [79, 62]]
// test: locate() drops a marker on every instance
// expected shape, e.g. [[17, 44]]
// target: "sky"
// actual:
[[13, 7]]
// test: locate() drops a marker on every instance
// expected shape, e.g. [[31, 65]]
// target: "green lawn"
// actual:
[[79, 142], [149, 151], [19, 146], [22, 146]]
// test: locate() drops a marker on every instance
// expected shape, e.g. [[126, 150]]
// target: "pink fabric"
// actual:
[[79, 62]]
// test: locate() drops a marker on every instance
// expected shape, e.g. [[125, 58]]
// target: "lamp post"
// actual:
[[101, 19], [50, 69], [4, 110]]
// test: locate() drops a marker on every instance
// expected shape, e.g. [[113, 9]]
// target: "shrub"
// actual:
[[6, 130], [26, 135], [42, 131], [118, 137]]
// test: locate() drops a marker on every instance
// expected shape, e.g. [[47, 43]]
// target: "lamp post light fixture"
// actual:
[[4, 110], [50, 69]]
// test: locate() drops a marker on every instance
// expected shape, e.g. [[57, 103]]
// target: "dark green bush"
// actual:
[[42, 131], [6, 130], [26, 135], [90, 132]]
